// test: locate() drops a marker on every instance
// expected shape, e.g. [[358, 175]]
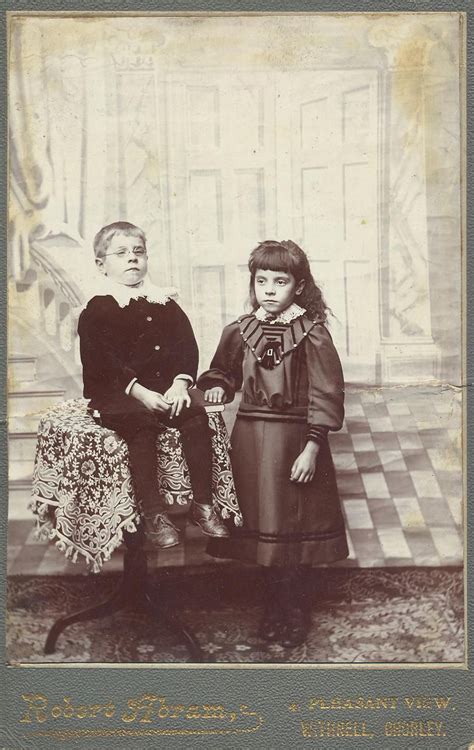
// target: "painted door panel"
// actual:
[[264, 156]]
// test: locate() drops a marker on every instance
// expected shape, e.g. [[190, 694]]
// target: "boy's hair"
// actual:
[[288, 257], [104, 236]]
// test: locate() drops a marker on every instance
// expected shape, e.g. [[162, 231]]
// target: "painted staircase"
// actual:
[[37, 380], [43, 363], [28, 399]]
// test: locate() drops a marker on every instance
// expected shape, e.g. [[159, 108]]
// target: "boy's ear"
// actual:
[[100, 265], [300, 287]]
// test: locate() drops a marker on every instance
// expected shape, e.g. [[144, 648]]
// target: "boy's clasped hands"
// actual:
[[173, 401]]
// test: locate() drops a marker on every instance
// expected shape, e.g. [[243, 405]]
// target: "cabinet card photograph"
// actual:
[[235, 339]]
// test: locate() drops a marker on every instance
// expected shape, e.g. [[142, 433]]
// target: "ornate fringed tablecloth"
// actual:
[[82, 490]]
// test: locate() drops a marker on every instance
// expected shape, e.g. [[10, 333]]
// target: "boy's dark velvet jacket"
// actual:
[[144, 340]]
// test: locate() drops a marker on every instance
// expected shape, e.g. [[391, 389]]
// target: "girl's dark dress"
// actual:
[[293, 390]]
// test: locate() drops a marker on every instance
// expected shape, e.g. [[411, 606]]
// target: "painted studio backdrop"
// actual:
[[340, 132]]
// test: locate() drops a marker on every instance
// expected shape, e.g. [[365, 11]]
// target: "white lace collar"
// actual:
[[286, 316], [122, 294]]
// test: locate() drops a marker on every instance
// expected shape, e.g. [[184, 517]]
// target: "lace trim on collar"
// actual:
[[124, 294], [286, 316]]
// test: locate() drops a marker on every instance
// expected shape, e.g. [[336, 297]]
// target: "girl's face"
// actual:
[[276, 290], [125, 261]]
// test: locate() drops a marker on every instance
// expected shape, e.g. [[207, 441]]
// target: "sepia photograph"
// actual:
[[235, 339]]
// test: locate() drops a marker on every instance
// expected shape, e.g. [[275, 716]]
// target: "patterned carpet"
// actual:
[[359, 616]]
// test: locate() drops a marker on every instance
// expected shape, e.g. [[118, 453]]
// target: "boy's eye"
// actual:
[[137, 251]]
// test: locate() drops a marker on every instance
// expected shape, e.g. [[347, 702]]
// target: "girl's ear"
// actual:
[[100, 265], [299, 287]]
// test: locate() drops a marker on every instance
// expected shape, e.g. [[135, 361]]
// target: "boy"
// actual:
[[139, 358]]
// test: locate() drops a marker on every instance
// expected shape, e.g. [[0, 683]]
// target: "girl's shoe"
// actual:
[[295, 631], [208, 521], [160, 531], [271, 627]]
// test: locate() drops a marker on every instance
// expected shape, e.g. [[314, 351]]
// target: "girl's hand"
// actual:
[[177, 395], [214, 395], [304, 467], [152, 400]]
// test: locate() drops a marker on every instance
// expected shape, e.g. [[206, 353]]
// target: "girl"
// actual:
[[293, 394]]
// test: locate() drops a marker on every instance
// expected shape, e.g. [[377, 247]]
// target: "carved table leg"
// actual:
[[134, 590], [131, 590]]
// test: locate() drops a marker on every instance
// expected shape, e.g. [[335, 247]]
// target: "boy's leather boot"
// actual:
[[160, 531], [208, 521]]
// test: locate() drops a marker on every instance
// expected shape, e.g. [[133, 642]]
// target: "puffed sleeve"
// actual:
[[325, 384], [226, 365], [104, 367]]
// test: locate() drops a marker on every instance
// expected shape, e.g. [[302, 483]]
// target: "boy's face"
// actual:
[[125, 261], [276, 290]]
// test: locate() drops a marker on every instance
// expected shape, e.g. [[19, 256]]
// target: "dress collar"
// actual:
[[286, 316], [254, 336]]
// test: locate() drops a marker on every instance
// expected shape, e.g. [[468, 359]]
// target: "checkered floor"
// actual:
[[399, 470]]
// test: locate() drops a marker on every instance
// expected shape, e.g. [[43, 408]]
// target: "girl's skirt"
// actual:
[[285, 523]]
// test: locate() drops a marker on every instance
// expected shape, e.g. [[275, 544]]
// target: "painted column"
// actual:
[[408, 353]]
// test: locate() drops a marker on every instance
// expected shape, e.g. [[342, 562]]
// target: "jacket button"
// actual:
[[149, 318], [157, 348], [157, 373]]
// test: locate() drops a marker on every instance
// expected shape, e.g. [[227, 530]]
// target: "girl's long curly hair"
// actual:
[[287, 257]]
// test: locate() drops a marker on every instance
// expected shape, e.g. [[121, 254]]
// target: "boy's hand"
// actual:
[[214, 395], [152, 400], [177, 395], [304, 467]]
